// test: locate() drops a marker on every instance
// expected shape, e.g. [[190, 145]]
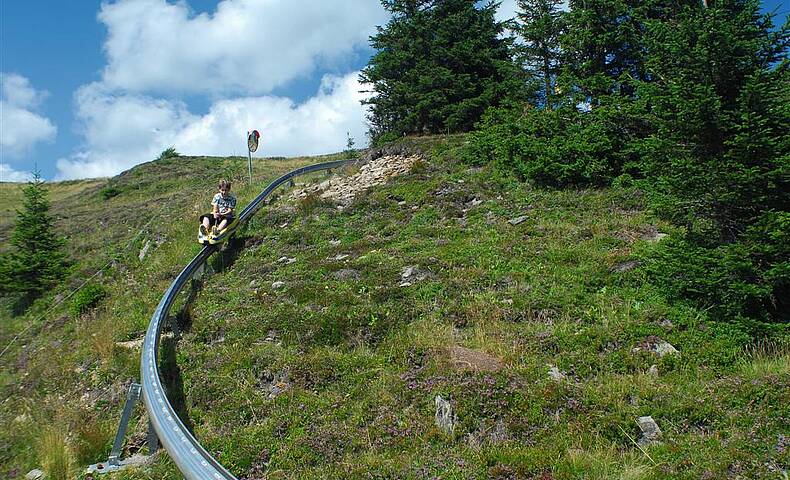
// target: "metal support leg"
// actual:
[[114, 462], [131, 400], [291, 183]]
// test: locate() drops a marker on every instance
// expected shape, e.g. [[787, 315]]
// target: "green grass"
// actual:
[[358, 359]]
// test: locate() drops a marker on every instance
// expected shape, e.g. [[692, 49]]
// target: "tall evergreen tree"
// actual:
[[540, 24], [36, 260], [718, 108], [603, 44], [438, 66]]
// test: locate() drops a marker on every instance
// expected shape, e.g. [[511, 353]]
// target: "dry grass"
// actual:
[[607, 464], [766, 358], [54, 453]]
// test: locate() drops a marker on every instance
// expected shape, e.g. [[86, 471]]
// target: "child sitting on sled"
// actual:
[[223, 207]]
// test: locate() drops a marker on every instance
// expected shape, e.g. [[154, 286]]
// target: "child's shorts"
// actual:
[[215, 221]]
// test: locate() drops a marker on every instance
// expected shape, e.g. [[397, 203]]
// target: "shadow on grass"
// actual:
[[228, 253], [171, 378], [182, 320]]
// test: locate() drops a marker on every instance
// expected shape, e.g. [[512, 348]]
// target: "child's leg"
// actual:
[[222, 224], [206, 222]]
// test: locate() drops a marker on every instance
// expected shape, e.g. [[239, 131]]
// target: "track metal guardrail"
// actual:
[[194, 462]]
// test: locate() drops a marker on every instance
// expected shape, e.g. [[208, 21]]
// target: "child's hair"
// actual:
[[224, 184]]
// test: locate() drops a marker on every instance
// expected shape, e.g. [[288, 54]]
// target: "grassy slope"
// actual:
[[361, 359], [65, 370]]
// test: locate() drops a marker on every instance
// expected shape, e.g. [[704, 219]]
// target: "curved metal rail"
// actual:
[[191, 458]]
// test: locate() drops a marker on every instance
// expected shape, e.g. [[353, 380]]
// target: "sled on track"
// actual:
[[214, 237]]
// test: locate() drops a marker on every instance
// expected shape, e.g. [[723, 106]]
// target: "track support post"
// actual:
[[114, 462]]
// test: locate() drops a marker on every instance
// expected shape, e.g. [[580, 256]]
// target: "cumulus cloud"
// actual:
[[8, 174], [22, 127], [123, 130], [250, 46], [316, 126]]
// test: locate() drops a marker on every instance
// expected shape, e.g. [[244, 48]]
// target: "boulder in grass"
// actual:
[[445, 418], [35, 474], [656, 345], [555, 373], [650, 431]]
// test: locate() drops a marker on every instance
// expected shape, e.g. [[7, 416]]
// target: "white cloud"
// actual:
[[123, 130], [8, 174], [250, 46], [20, 127], [317, 126]]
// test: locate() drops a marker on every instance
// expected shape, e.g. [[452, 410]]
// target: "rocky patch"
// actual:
[[343, 190]]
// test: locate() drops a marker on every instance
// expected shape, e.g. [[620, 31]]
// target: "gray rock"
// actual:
[[654, 236], [346, 274], [413, 273], [486, 433], [445, 418], [144, 250], [34, 475], [334, 243], [656, 345], [517, 220], [408, 272], [625, 266], [278, 285], [653, 370], [556, 374], [665, 348], [253, 283], [650, 431]]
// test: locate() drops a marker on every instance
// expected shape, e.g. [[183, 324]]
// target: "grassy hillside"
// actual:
[[65, 369], [448, 281]]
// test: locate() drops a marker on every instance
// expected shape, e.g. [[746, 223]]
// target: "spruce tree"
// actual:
[[540, 24], [719, 156], [438, 66], [604, 44], [36, 260], [718, 109]]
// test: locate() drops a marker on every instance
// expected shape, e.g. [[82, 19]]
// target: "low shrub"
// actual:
[[87, 298], [746, 282], [109, 192], [556, 148]]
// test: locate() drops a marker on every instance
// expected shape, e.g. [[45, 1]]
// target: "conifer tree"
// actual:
[[718, 105], [604, 43], [36, 260], [438, 66], [540, 26]]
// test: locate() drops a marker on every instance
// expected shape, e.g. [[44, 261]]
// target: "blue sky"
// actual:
[[92, 88]]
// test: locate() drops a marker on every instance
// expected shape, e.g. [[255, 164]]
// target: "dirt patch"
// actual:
[[343, 190], [466, 359]]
